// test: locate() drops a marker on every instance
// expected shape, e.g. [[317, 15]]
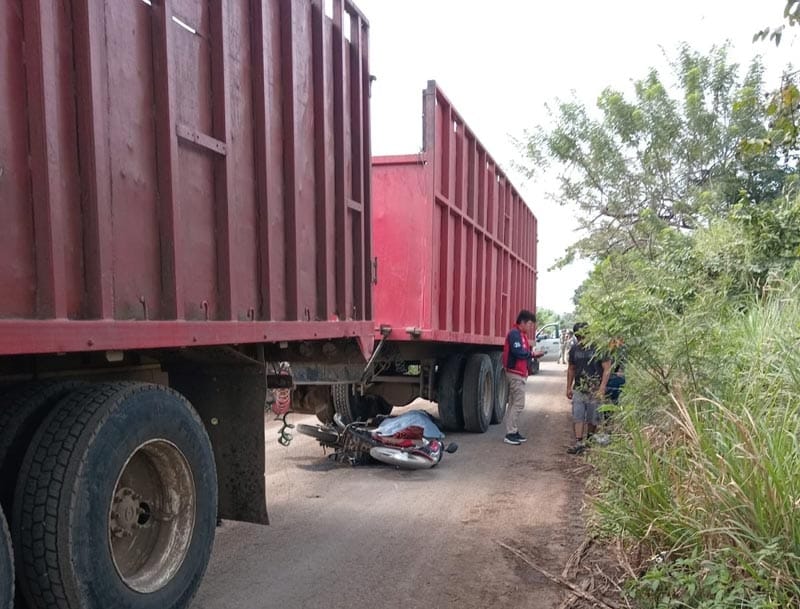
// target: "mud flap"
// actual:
[[230, 400]]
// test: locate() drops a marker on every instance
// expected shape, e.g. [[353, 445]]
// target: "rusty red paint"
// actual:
[[40, 18], [171, 168], [166, 144], [340, 188], [95, 171], [455, 242]]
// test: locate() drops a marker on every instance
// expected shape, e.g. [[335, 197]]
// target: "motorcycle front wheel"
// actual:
[[403, 459], [326, 435]]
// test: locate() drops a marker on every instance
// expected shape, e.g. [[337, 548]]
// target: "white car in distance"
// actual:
[[548, 340]]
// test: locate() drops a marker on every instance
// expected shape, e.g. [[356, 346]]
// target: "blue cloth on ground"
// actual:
[[418, 418]]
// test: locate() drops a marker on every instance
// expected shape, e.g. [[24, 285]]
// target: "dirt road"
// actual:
[[377, 537]]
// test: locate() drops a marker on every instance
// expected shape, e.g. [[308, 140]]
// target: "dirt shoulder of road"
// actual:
[[558, 557]]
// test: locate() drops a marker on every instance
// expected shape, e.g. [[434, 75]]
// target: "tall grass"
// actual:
[[704, 474]]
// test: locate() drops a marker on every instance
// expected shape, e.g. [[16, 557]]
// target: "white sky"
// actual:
[[499, 63]]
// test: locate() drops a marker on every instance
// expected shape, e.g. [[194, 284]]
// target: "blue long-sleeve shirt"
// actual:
[[516, 352]]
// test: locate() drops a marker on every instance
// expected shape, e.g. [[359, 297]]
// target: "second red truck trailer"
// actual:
[[455, 260]]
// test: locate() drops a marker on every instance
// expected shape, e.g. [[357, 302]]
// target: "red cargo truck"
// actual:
[[455, 261], [185, 206]]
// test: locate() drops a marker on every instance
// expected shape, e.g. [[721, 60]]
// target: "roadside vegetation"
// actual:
[[690, 201]]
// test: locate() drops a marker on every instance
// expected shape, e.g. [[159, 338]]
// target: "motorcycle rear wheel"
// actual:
[[402, 459]]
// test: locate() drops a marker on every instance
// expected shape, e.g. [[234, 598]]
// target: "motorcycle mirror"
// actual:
[[451, 448]]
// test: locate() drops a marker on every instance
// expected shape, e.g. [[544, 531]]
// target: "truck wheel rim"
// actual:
[[151, 516]]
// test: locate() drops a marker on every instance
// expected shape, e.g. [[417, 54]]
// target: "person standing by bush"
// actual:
[[587, 378], [516, 355]]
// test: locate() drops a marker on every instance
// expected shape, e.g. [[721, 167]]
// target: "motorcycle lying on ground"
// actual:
[[411, 440]]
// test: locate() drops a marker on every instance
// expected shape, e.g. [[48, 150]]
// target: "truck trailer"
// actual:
[[189, 210], [455, 261]]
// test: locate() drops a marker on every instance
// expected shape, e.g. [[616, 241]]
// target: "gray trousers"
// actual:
[[516, 401]]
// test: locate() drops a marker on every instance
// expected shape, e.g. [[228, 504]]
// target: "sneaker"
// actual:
[[577, 449], [511, 439], [519, 436]]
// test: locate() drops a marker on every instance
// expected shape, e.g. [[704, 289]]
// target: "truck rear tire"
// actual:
[[6, 566], [449, 393], [23, 410], [116, 501], [478, 393], [500, 401]]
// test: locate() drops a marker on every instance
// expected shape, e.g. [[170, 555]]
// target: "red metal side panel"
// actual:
[[455, 242], [134, 187], [38, 163], [403, 241], [14, 171], [174, 161]]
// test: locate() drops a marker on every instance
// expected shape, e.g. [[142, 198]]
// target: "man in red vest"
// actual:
[[516, 355]]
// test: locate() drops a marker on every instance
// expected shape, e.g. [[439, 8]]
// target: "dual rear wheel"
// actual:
[[472, 391], [115, 502]]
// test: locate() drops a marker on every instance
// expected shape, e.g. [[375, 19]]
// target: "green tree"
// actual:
[[791, 16], [545, 316], [709, 315], [710, 323], [634, 167], [783, 114], [692, 212]]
